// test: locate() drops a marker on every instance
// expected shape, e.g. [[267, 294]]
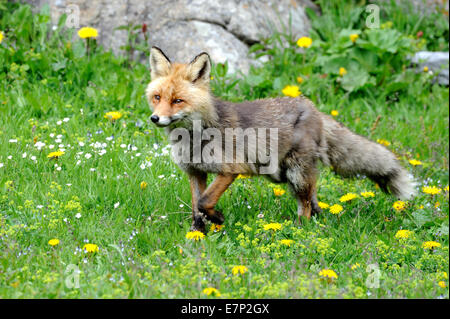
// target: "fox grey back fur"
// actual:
[[306, 136]]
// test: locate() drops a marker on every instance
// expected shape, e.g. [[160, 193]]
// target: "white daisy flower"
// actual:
[[39, 145]]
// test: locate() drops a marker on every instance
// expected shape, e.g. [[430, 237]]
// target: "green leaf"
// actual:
[[59, 65], [255, 80], [90, 92], [422, 218], [277, 84], [354, 80]]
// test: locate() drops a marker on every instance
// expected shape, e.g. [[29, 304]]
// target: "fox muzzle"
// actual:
[[166, 120], [161, 120]]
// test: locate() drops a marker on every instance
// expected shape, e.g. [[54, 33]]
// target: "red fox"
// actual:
[[180, 95]]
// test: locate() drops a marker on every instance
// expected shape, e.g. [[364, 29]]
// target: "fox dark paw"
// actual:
[[315, 209], [198, 224], [214, 216]]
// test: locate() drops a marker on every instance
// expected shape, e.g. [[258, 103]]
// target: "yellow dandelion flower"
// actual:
[[348, 197], [9, 184], [414, 162], [383, 142], [431, 245], [239, 270], [112, 116], [334, 113], [353, 37], [336, 209], [355, 266], [215, 227], [446, 188], [272, 226], [342, 71], [299, 80], [323, 205], [437, 204], [403, 234], [432, 190], [241, 176], [286, 242], [87, 32], [399, 205], [425, 69], [291, 90], [328, 273], [367, 194], [91, 248], [387, 25], [278, 191], [143, 185], [53, 242], [304, 42], [1, 36], [16, 283], [55, 154], [210, 290], [195, 235], [442, 284]]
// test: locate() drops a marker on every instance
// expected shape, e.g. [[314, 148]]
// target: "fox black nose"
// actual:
[[155, 118]]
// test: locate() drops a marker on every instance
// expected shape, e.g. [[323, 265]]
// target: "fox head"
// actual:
[[179, 92]]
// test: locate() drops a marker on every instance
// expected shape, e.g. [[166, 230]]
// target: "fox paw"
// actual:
[[198, 224], [214, 216], [315, 209]]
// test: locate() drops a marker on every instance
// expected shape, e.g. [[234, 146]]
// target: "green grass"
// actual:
[[143, 251]]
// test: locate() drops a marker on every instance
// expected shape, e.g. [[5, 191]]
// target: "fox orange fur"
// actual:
[[180, 94]]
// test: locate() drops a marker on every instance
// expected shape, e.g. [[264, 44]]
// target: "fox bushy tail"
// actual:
[[350, 154]]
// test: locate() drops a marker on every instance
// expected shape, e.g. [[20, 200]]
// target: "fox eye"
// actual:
[[157, 97], [177, 101]]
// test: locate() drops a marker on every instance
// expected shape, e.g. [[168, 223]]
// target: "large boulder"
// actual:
[[183, 28]]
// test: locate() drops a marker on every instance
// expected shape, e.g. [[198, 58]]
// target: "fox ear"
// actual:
[[159, 63], [200, 67]]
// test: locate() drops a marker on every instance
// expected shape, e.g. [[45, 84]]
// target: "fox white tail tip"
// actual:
[[404, 186]]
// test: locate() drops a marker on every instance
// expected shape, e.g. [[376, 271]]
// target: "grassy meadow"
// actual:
[[91, 205]]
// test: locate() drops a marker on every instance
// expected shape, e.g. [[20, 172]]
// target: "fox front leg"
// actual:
[[198, 185], [211, 196]]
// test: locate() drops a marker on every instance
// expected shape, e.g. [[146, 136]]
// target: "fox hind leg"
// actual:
[[303, 185], [315, 208]]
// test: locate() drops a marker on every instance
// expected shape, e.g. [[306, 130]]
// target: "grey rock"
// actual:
[[183, 28], [198, 37], [437, 62], [425, 6]]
